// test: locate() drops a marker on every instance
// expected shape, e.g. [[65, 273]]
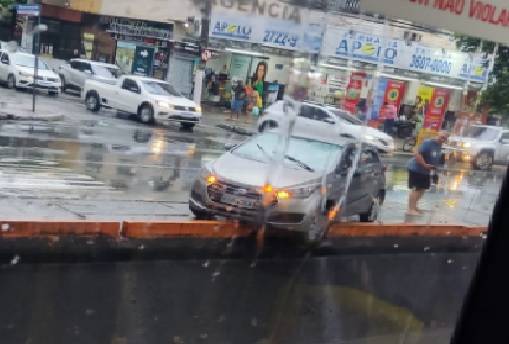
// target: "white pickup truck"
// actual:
[[151, 100]]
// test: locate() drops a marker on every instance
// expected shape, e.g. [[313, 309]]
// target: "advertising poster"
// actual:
[[353, 91], [436, 110], [394, 92], [125, 56], [143, 61], [378, 98]]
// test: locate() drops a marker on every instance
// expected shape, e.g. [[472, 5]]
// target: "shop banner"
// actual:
[[378, 98], [234, 28], [392, 97], [394, 92], [279, 28], [486, 19], [436, 110], [425, 93], [353, 91], [340, 42], [372, 48]]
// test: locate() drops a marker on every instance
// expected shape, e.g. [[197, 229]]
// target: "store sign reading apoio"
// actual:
[[488, 19]]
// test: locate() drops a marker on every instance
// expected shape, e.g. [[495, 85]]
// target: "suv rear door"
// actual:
[[366, 183]]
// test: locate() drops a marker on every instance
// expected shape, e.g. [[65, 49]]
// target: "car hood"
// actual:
[[358, 130], [179, 101], [41, 72], [254, 173], [471, 140]]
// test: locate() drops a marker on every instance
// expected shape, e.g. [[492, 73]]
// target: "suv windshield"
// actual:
[[102, 72], [481, 133], [28, 61], [316, 155], [160, 88]]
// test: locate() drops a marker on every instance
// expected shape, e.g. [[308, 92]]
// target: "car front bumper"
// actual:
[[165, 116], [294, 214], [27, 82], [459, 154]]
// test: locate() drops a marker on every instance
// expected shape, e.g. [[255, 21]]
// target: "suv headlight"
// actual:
[[466, 145], [164, 105], [296, 193]]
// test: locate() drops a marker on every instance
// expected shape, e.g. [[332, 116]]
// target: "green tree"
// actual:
[[496, 97]]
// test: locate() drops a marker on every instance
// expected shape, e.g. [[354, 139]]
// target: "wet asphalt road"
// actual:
[[100, 166], [351, 299]]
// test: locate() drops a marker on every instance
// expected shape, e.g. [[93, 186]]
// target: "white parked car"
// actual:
[[17, 71], [152, 100], [318, 119], [74, 73], [482, 145]]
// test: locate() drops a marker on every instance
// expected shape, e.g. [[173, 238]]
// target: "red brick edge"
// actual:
[[213, 229]]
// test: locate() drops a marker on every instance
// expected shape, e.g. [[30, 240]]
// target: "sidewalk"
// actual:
[[22, 111], [220, 117]]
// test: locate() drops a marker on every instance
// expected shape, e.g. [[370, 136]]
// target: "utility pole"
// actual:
[[206, 9]]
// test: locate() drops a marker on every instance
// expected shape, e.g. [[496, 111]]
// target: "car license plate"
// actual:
[[238, 201]]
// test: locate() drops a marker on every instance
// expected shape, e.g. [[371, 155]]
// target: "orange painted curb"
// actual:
[[32, 229], [402, 230], [200, 229], [215, 229]]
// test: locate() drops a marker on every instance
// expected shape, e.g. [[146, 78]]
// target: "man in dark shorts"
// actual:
[[426, 159]]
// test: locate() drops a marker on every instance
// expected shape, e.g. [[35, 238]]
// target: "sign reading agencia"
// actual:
[[487, 19]]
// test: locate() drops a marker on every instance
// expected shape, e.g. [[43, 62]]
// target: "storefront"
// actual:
[[243, 35], [349, 70]]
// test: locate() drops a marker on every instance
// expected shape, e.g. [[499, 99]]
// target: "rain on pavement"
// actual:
[[105, 166]]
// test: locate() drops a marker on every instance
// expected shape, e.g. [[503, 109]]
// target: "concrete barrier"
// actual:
[[33, 229], [213, 229]]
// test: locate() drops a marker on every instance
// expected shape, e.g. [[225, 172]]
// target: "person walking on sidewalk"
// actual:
[[239, 93], [420, 169]]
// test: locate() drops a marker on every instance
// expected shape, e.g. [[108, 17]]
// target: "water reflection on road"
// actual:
[[96, 159]]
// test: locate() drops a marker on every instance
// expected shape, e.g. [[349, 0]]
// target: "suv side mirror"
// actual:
[[134, 89], [344, 166], [229, 146], [329, 120], [5, 61]]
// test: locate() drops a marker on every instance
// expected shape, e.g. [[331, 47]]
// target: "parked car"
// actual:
[[74, 73], [17, 71], [482, 145], [236, 185], [152, 100], [319, 119]]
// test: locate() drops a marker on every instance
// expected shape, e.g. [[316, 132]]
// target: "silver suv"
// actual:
[[294, 189], [74, 73], [482, 145]]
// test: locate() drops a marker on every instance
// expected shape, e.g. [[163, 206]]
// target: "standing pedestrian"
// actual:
[[389, 113], [239, 93], [420, 169]]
